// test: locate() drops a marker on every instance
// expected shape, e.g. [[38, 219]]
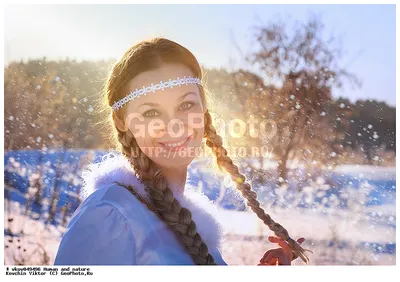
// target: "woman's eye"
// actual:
[[150, 113], [186, 106]]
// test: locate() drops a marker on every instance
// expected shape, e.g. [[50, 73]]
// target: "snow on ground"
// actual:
[[306, 224], [332, 240], [28, 241], [367, 172], [347, 217], [247, 250]]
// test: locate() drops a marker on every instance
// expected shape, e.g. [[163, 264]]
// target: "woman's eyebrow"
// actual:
[[184, 95], [149, 104], [156, 104]]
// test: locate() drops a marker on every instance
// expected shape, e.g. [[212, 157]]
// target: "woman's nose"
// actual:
[[172, 126], [176, 128]]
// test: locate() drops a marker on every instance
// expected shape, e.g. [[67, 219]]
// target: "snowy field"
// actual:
[[347, 214]]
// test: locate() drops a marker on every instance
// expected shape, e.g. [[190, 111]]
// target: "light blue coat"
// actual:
[[112, 227]]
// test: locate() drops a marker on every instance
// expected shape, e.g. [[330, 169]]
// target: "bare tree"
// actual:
[[306, 67]]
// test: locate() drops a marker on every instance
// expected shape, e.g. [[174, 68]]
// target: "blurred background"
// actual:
[[324, 74]]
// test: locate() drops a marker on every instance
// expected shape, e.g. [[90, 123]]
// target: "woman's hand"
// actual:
[[279, 256]]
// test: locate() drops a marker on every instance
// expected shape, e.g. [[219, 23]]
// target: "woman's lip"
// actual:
[[173, 142], [187, 140]]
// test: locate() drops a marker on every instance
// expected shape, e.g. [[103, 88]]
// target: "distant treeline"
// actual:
[[54, 104]]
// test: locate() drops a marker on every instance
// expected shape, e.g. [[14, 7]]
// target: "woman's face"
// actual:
[[168, 124]]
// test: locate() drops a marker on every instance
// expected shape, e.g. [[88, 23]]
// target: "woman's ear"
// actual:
[[119, 123]]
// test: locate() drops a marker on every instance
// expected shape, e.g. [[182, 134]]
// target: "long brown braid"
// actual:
[[214, 141], [179, 219]]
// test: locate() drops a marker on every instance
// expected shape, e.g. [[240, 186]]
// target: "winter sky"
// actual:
[[211, 32]]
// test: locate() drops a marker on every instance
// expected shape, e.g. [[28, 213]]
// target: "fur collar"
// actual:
[[116, 168]]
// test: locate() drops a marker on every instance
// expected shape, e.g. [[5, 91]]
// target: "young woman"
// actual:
[[137, 210]]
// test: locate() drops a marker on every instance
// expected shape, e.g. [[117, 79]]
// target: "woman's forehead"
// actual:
[[168, 95], [164, 73]]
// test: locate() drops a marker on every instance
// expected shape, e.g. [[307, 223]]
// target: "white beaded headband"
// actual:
[[154, 87]]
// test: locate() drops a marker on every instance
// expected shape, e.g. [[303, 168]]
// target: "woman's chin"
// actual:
[[176, 158]]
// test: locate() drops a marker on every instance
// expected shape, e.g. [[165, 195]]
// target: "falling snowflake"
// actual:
[[292, 96], [359, 134], [298, 106], [11, 118], [51, 136], [342, 105], [323, 114], [38, 87], [369, 126]]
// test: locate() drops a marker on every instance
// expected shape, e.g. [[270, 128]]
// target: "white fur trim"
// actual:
[[117, 168]]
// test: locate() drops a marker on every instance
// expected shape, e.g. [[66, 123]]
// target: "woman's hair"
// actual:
[[149, 55]]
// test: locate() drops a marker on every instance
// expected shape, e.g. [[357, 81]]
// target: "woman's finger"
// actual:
[[283, 244], [265, 255], [274, 255], [300, 240], [277, 261], [273, 262]]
